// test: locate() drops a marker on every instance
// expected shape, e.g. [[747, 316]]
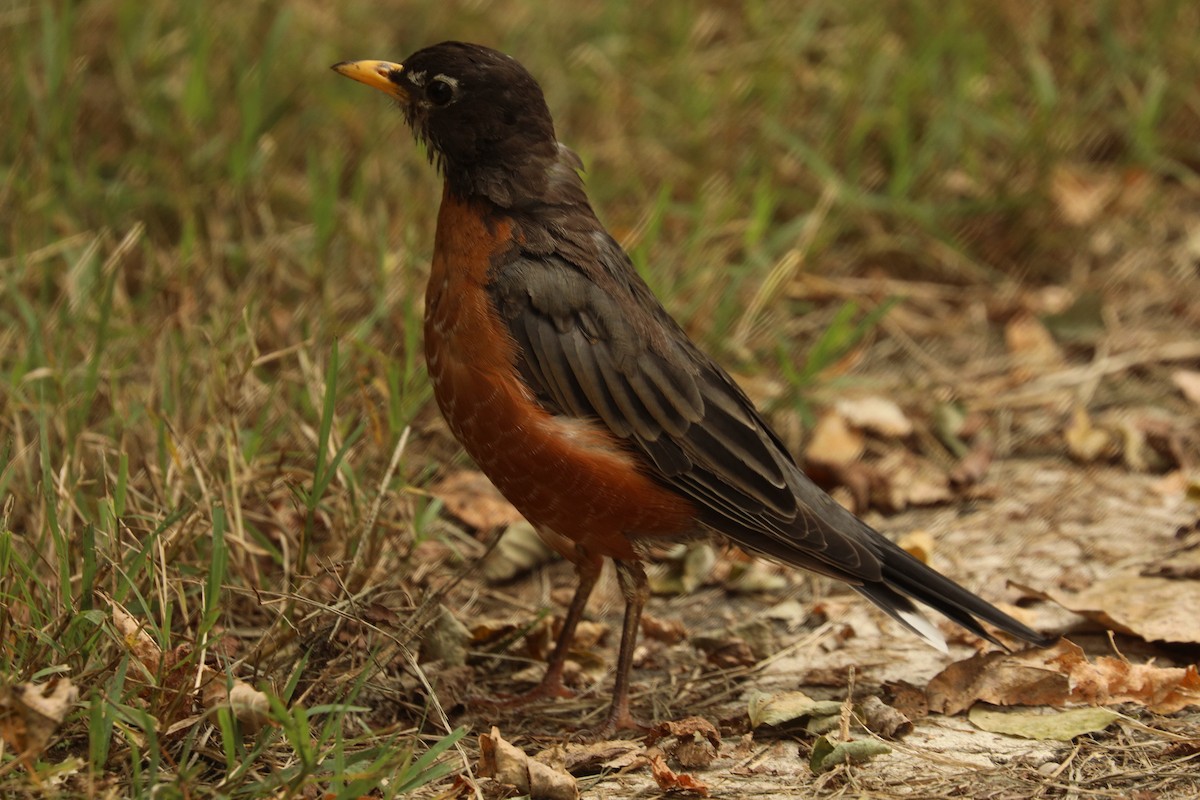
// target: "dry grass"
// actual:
[[213, 409]]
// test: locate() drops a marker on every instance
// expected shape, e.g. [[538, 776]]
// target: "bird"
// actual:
[[581, 399]]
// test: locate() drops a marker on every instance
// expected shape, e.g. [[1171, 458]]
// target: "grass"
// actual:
[[213, 250]]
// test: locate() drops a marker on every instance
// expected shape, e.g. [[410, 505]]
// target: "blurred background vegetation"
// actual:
[[212, 252]]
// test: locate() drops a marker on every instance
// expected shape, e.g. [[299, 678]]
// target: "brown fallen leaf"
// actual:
[[140, 643], [507, 764], [30, 714], [1158, 609], [668, 631], [1080, 194], [250, 707], [834, 443], [471, 497], [593, 757], [973, 467], [877, 415], [490, 632], [201, 683], [1058, 676], [692, 741], [918, 544], [670, 781], [907, 480], [1086, 442], [1031, 346], [883, 720], [1181, 566], [909, 699], [753, 577], [849, 484], [725, 650], [161, 671]]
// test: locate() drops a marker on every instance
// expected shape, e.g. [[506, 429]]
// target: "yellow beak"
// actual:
[[381, 75]]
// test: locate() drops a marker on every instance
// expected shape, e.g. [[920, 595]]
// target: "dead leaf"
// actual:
[[379, 614], [1181, 566], [826, 754], [725, 651], [250, 707], [591, 758], [877, 415], [161, 671], [489, 633], [949, 426], [1031, 346], [1061, 675], [212, 689], [670, 781], [1029, 678], [973, 467], [507, 764], [519, 550], [908, 699], [753, 577], [692, 741], [775, 710], [684, 570], [759, 635], [669, 631], [140, 644], [1158, 609], [1085, 442], [1081, 321], [471, 497], [850, 485], [1082, 195], [1134, 450], [791, 613], [30, 714], [445, 640], [834, 443], [906, 480], [1042, 723], [883, 720], [918, 544], [1188, 382]]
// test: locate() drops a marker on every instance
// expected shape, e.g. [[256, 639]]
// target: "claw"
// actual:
[[551, 687]]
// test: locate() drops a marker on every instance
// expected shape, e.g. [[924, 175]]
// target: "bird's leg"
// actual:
[[588, 570], [636, 590], [552, 686]]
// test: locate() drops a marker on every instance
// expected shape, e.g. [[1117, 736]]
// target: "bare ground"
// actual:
[[1055, 523]]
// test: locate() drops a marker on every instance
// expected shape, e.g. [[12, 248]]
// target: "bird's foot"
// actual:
[[619, 719], [550, 688]]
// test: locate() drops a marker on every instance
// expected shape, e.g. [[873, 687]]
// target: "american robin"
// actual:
[[577, 394]]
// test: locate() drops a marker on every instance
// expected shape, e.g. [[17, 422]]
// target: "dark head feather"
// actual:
[[483, 117]]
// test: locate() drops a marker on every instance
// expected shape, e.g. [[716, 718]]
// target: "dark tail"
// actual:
[[904, 577]]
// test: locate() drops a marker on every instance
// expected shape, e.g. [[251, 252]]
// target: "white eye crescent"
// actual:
[[441, 90]]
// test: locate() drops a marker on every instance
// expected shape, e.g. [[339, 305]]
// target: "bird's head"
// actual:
[[480, 112]]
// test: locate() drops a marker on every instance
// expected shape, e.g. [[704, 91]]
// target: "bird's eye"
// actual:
[[440, 91]]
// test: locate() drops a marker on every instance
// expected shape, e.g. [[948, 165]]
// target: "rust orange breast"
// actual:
[[568, 475]]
